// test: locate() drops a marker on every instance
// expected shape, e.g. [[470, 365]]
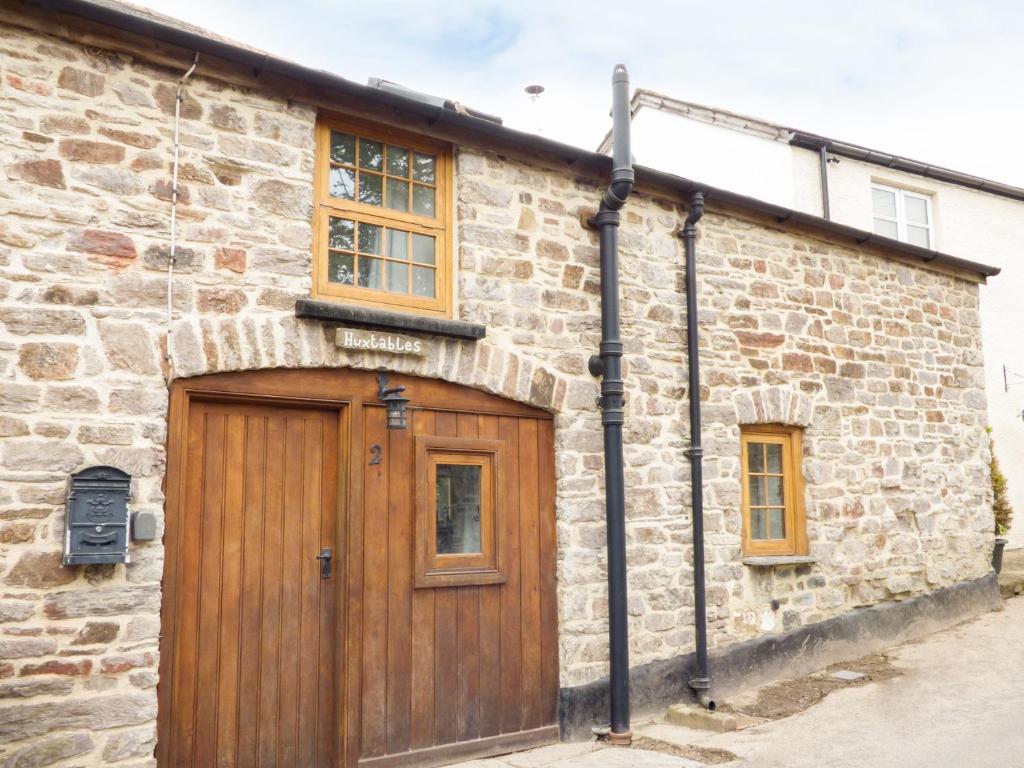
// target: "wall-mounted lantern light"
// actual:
[[393, 400]]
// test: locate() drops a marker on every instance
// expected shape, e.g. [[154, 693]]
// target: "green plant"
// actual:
[[1001, 507]]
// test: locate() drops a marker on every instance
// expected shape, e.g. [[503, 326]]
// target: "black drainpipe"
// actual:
[[823, 168], [701, 682], [608, 365]]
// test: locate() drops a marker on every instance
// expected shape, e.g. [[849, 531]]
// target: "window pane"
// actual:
[[423, 281], [886, 228], [774, 451], [398, 277], [422, 200], [343, 148], [918, 236], [757, 491], [398, 244], [398, 161], [342, 234], [398, 195], [755, 457], [342, 183], [775, 491], [371, 189], [370, 273], [339, 268], [758, 526], [916, 210], [776, 524], [369, 238], [458, 509], [884, 202], [371, 154], [423, 249], [423, 167]]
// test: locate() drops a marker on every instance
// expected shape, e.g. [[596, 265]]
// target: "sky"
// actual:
[[935, 81]]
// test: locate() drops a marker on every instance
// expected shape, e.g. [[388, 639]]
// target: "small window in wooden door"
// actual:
[[458, 511]]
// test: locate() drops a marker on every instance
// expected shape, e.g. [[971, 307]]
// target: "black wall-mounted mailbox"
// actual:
[[96, 524]]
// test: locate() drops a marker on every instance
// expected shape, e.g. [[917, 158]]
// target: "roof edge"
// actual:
[[127, 20]]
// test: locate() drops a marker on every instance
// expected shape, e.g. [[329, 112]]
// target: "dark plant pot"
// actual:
[[997, 554]]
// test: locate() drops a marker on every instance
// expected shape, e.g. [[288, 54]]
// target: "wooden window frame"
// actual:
[[791, 439], [453, 570], [439, 226]]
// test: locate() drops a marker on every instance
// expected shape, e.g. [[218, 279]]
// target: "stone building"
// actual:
[[324, 589]]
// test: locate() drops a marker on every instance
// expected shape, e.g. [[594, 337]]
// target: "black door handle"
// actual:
[[325, 562]]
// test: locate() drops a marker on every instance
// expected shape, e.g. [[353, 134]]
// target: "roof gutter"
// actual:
[[263, 63], [873, 156]]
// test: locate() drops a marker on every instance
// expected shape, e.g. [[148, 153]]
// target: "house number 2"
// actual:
[[376, 451]]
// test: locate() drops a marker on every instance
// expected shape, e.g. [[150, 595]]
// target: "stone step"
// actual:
[[695, 716]]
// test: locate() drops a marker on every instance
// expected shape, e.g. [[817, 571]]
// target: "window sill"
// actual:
[[771, 561], [379, 319]]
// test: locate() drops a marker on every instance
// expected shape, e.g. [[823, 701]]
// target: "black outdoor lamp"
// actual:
[[393, 400]]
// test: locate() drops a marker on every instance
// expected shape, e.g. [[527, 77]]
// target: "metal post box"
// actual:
[[96, 517]]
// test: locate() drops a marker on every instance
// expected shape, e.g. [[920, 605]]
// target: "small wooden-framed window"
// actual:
[[458, 511], [381, 218], [773, 509]]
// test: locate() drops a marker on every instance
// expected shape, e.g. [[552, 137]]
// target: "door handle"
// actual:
[[325, 562]]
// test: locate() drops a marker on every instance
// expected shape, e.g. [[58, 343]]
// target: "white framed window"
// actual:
[[902, 215]]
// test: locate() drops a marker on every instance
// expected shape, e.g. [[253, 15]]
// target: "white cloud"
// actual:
[[936, 81]]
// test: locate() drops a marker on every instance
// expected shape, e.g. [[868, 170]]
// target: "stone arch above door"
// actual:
[[205, 346]]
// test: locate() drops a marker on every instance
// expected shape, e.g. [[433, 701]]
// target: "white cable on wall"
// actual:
[[178, 98]]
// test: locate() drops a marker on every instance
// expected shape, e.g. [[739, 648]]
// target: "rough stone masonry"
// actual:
[[879, 360]]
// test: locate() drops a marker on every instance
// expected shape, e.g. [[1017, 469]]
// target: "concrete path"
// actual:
[[959, 702]]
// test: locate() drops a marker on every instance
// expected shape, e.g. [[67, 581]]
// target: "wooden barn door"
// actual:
[[453, 666], [433, 638], [249, 616]]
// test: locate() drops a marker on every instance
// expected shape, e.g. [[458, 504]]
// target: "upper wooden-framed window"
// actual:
[[381, 218], [458, 511], [773, 490]]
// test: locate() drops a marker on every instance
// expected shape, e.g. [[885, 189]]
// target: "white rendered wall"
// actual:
[[728, 159]]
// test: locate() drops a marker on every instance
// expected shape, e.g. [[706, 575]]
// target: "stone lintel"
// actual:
[[379, 319], [768, 562]]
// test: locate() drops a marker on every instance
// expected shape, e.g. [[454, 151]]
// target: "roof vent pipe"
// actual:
[[608, 365]]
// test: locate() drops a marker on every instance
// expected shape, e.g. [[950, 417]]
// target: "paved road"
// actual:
[[958, 704]]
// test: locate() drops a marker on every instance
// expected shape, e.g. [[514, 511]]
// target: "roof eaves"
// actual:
[[130, 19]]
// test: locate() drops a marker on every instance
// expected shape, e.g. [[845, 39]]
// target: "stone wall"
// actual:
[[880, 361]]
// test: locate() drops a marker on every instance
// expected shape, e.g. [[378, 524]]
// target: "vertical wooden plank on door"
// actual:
[[529, 549], [468, 706], [511, 641], [251, 599], [210, 561], [271, 609], [290, 629], [399, 462], [307, 532], [182, 714], [548, 578], [375, 585], [352, 607], [422, 633], [177, 439], [331, 621], [231, 587], [446, 625], [490, 614]]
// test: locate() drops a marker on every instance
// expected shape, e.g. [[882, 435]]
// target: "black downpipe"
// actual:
[[701, 683], [823, 169], [608, 365]]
